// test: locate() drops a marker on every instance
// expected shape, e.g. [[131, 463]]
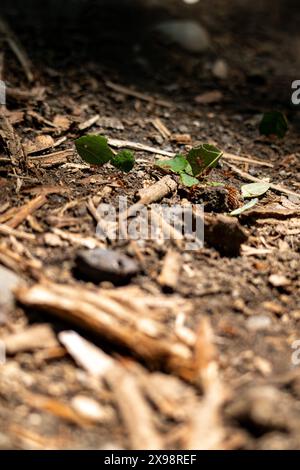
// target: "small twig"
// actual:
[[27, 210], [134, 410], [157, 191], [248, 177], [88, 123], [137, 146], [17, 49], [5, 230], [136, 94], [161, 128], [146, 148], [252, 161], [53, 158]]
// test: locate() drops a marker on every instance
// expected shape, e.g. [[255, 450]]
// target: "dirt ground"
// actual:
[[243, 389]]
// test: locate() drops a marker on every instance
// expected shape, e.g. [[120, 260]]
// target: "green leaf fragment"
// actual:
[[94, 149], [245, 207], [188, 180], [176, 164], [274, 123], [124, 161], [203, 158], [255, 189]]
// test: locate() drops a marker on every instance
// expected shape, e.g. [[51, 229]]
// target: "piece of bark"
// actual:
[[135, 411], [170, 272], [125, 323], [270, 213], [224, 233], [34, 337], [10, 141]]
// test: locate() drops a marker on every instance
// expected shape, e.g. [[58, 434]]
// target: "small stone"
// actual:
[[51, 239], [88, 408], [258, 408], [259, 322], [106, 265], [8, 282], [273, 307], [278, 280], [188, 34], [220, 69]]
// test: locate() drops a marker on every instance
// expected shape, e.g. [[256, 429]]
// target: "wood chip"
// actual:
[[169, 275], [209, 97], [161, 128], [34, 337], [86, 354]]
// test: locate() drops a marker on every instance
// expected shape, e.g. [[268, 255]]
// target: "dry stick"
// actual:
[[135, 411], [253, 161], [30, 339], [276, 187], [88, 123], [206, 430], [53, 158], [125, 326], [157, 191], [5, 230], [161, 128], [136, 94], [17, 48], [146, 148], [27, 209], [137, 146]]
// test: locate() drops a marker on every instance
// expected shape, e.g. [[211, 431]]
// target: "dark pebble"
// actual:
[[105, 265]]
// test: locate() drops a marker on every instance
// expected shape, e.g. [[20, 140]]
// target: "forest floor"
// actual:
[[202, 355]]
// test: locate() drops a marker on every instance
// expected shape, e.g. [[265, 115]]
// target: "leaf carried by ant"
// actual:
[[203, 158]]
